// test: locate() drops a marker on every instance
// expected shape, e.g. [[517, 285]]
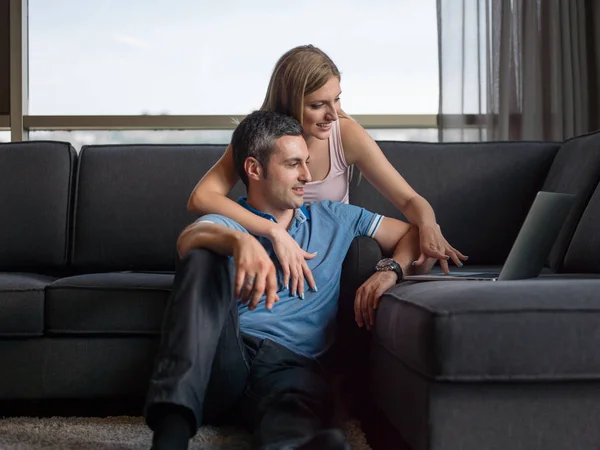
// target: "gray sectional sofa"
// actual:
[[87, 250]]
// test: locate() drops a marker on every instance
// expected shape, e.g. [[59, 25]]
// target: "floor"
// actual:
[[380, 435]]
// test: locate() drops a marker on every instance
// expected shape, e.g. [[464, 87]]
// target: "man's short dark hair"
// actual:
[[256, 136]]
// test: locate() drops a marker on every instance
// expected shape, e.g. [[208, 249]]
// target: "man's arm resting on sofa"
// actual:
[[254, 269], [399, 240]]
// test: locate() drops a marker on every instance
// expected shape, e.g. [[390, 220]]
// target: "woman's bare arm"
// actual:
[[362, 150], [210, 197]]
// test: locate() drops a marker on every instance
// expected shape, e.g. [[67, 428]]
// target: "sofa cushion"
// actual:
[[108, 303], [539, 329], [35, 204], [576, 170], [22, 303], [583, 255], [480, 192], [80, 367], [131, 204]]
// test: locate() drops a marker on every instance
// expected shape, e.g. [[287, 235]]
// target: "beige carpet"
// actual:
[[123, 432]]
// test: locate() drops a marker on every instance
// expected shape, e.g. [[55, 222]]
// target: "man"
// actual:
[[237, 345]]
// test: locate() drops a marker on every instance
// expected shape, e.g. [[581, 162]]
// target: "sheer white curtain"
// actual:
[[518, 69]]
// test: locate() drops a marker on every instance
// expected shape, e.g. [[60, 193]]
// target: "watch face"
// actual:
[[391, 265], [387, 264]]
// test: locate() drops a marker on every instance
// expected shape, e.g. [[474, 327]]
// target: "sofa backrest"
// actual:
[[131, 203], [576, 170], [583, 254], [35, 200], [480, 192]]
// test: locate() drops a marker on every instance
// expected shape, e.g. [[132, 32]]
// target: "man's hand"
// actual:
[[254, 272], [368, 296]]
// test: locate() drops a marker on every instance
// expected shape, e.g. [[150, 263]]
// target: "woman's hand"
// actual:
[[434, 245], [293, 262]]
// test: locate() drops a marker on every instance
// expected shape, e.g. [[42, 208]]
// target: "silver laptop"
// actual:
[[532, 246]]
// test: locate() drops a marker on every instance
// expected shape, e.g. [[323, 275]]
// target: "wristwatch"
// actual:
[[389, 264]]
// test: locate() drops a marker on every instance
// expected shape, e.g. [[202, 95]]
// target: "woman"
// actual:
[[305, 84]]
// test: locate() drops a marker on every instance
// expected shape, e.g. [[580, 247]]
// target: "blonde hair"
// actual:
[[299, 72]]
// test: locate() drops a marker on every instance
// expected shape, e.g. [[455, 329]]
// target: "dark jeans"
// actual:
[[220, 376]]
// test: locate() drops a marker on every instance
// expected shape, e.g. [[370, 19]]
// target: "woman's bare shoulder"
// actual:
[[349, 126], [355, 139]]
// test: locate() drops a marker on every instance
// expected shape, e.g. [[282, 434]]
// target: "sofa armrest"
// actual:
[[358, 266], [351, 354]]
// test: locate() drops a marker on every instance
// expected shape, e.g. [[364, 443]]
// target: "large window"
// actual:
[[115, 57]]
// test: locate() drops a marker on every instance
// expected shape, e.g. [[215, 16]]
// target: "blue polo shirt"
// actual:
[[307, 326]]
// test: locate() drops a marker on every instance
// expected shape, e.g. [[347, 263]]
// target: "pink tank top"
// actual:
[[336, 184]]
